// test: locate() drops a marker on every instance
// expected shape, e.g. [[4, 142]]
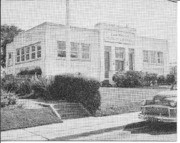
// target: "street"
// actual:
[[141, 131]]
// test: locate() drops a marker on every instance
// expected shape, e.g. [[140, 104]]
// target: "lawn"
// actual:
[[23, 118], [123, 100]]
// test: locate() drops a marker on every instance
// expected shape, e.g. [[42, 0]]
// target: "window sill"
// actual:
[[155, 64], [28, 61], [64, 59]]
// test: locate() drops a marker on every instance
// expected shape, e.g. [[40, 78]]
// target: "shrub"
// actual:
[[128, 79], [10, 85], [161, 80], [43, 88], [77, 89], [150, 79], [106, 83], [36, 70], [24, 87], [170, 79], [7, 98]]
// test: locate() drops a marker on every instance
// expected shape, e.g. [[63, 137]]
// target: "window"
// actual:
[[119, 53], [159, 57], [153, 57], [27, 53], [74, 50], [61, 49], [38, 51], [22, 54], [145, 56], [18, 55], [33, 52], [85, 51], [120, 57], [10, 59]]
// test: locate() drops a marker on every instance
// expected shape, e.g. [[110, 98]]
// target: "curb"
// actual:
[[85, 134]]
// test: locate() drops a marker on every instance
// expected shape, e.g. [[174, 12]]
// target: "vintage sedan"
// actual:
[[163, 107]]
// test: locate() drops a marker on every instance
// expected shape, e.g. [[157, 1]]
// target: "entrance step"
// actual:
[[68, 110]]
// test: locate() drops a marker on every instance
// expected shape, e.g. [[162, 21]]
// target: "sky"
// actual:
[[151, 18]]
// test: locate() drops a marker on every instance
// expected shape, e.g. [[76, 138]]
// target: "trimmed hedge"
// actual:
[[71, 88], [37, 71], [128, 79]]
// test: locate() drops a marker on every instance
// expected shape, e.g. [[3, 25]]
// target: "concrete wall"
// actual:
[[145, 43], [27, 38], [56, 65]]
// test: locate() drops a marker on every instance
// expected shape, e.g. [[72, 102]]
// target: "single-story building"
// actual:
[[97, 53]]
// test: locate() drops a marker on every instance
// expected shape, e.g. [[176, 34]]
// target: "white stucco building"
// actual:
[[97, 53]]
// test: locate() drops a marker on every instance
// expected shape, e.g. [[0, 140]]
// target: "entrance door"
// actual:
[[107, 63], [131, 59]]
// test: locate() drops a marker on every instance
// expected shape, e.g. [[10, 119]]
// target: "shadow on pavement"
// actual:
[[156, 128]]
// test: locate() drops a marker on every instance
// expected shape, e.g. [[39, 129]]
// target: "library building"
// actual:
[[98, 53]]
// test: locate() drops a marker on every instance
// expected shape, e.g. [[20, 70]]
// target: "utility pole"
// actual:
[[68, 30]]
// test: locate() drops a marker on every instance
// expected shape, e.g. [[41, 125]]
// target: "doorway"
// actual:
[[107, 56], [131, 59]]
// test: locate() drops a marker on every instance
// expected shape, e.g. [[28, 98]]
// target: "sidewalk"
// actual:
[[71, 128]]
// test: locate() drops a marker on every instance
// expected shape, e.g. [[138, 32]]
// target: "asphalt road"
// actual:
[[142, 131]]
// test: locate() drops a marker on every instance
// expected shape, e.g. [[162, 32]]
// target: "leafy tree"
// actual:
[[7, 35]]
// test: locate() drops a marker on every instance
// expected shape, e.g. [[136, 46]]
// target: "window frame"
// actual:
[[39, 51], [10, 59], [27, 53], [86, 52], [22, 54], [76, 51], [61, 50], [33, 52], [121, 53]]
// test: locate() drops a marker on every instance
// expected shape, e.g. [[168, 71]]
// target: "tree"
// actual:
[[7, 35]]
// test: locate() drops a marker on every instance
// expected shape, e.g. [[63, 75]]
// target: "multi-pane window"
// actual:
[[22, 55], [74, 50], [120, 57], [145, 57], [33, 52], [10, 59], [27, 53], [78, 50], [160, 57], [61, 49], [152, 57], [85, 51], [18, 55], [38, 51], [119, 53]]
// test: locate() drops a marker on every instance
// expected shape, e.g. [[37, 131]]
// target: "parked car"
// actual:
[[163, 107]]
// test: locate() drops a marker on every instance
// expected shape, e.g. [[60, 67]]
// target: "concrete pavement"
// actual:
[[71, 128]]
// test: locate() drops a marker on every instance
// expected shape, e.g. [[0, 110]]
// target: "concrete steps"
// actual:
[[69, 110]]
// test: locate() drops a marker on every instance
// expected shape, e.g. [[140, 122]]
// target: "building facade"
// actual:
[[97, 53]]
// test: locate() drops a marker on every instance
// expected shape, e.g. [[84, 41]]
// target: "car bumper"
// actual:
[[155, 118]]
